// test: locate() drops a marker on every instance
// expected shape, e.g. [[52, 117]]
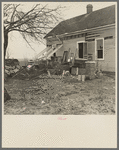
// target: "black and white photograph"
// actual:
[[74, 74], [59, 59]]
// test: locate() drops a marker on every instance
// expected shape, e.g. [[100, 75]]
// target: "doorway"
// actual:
[[80, 47], [82, 50]]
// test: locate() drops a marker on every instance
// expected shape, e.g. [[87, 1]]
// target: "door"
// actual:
[[80, 50]]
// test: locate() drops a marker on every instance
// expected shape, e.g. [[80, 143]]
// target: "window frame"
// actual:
[[83, 51], [96, 49]]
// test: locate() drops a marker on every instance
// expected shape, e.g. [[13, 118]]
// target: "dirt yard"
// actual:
[[57, 96]]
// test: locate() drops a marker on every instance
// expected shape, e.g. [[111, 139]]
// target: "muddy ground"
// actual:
[[61, 96]]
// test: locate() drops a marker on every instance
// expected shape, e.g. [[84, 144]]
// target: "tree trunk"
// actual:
[[6, 95], [5, 42]]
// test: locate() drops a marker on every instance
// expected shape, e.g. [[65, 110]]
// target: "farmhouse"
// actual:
[[88, 37]]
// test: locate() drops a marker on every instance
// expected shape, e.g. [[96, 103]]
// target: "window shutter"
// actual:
[[85, 50]]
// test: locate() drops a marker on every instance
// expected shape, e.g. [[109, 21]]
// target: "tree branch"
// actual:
[[34, 24], [28, 31], [14, 12]]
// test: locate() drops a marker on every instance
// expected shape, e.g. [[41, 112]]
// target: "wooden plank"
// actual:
[[53, 51], [93, 39], [108, 37], [94, 35], [63, 57], [42, 52], [95, 32]]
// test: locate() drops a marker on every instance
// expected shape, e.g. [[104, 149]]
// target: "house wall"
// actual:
[[108, 64], [71, 45]]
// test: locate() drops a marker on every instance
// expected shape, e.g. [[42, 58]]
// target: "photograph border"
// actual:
[[2, 64]]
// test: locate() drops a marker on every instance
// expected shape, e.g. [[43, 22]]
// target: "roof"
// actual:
[[96, 18]]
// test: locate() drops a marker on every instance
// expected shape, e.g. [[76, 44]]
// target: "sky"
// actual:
[[19, 49]]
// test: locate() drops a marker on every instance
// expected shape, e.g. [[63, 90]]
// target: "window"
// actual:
[[82, 50], [100, 49]]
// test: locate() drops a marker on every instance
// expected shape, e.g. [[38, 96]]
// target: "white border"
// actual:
[[77, 131]]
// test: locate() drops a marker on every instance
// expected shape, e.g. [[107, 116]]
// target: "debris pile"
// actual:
[[57, 68], [98, 73], [32, 70], [29, 72], [11, 67], [14, 70]]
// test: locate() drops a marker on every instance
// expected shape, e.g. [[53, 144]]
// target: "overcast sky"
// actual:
[[18, 48]]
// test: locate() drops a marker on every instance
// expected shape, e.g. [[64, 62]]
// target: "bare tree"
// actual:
[[8, 54], [33, 25]]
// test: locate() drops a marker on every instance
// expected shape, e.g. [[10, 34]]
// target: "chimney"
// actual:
[[89, 8]]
